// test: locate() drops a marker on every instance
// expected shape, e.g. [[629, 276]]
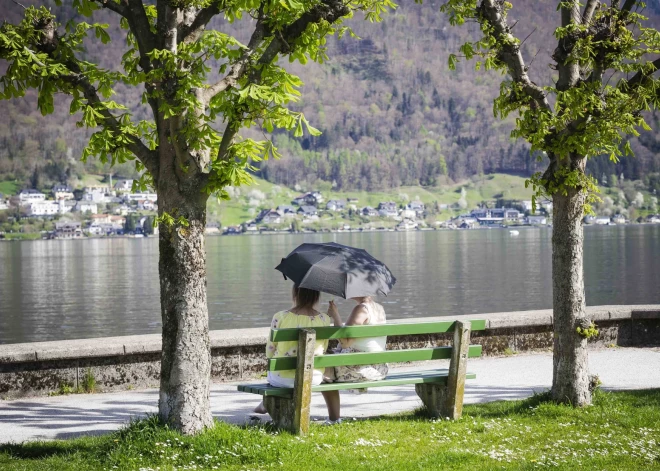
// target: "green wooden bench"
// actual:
[[441, 390]]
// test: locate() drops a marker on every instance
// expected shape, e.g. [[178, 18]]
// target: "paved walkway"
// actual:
[[512, 377]]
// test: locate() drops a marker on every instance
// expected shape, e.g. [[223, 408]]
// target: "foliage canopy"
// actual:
[[201, 83], [605, 59]]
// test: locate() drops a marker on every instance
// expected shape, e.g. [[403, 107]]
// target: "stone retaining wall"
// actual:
[[120, 363]]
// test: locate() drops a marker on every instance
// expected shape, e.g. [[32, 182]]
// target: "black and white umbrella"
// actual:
[[337, 269]]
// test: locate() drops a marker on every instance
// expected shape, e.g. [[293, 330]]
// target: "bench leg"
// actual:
[[434, 398], [282, 411], [447, 401], [293, 414]]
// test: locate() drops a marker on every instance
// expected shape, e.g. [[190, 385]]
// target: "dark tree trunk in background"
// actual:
[[570, 383], [186, 357]]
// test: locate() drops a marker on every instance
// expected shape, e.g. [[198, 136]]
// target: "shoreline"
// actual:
[[328, 231]]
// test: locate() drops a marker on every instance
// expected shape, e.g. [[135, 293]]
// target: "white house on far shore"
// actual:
[[68, 230], [600, 220], [536, 220], [62, 192], [49, 208], [153, 197], [86, 206], [335, 205], [30, 195], [43, 208], [123, 186], [97, 194]]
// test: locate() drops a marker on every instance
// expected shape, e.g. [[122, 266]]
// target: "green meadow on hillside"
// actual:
[[478, 189], [8, 188]]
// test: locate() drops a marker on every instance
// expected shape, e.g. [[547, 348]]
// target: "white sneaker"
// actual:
[[332, 422]]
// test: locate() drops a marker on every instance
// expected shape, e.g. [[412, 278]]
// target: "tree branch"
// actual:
[[170, 28], [329, 10], [641, 75], [113, 6], [133, 12], [191, 33], [228, 137], [589, 10], [509, 52], [569, 70], [238, 68], [137, 147], [627, 6], [141, 28]]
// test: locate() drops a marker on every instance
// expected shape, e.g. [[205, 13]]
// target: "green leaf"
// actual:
[[299, 130], [102, 34], [452, 61]]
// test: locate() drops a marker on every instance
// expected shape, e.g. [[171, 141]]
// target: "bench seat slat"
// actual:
[[361, 331], [438, 376], [372, 358]]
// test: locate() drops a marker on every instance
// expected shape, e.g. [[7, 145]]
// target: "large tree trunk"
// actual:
[[186, 359], [570, 382]]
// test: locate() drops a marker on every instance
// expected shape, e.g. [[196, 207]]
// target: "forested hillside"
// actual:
[[391, 112]]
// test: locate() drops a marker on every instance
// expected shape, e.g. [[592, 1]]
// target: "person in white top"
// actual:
[[367, 312]]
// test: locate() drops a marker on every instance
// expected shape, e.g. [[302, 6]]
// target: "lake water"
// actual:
[[58, 289]]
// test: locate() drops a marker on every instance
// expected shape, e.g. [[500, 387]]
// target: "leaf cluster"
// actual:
[[613, 51], [203, 118]]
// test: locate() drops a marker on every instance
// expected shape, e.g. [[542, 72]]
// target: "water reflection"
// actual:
[[92, 288]]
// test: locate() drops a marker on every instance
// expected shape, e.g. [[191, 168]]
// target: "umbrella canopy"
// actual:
[[337, 269]]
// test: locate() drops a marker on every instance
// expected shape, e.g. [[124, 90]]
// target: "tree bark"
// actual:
[[570, 382], [186, 358]]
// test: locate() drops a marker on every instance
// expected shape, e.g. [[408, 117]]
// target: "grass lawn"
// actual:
[[23, 235], [92, 180], [620, 432], [8, 188]]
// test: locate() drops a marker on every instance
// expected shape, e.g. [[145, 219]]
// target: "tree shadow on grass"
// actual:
[[496, 409], [91, 446], [601, 397], [505, 408], [43, 450]]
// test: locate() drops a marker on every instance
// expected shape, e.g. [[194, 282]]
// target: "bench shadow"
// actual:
[[379, 401]]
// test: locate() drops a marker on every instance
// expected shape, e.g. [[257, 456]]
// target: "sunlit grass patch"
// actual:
[[8, 188], [620, 431]]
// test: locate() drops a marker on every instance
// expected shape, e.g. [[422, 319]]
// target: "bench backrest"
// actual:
[[361, 331], [369, 358]]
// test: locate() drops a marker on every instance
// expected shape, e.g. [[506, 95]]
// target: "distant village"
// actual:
[[115, 210], [103, 210], [308, 208]]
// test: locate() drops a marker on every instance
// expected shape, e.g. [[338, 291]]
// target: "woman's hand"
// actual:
[[334, 313]]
